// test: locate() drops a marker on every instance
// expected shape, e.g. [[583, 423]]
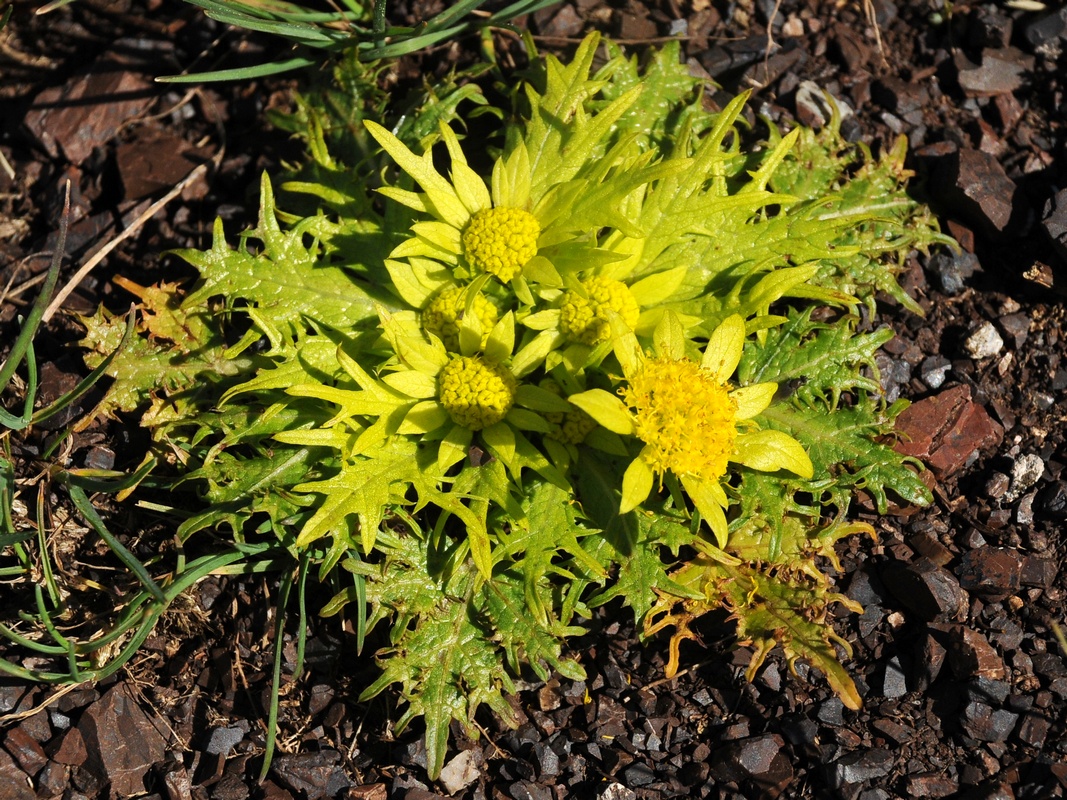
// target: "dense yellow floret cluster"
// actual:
[[583, 315], [476, 393], [687, 419], [444, 313], [500, 241]]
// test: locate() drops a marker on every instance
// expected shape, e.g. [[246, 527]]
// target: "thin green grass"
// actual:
[[362, 26]]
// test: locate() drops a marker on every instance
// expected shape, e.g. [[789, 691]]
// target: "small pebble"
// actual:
[[985, 342]]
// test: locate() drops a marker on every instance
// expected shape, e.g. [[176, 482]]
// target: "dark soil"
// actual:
[[964, 685]]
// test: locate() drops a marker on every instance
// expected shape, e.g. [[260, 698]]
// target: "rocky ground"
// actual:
[[964, 685]]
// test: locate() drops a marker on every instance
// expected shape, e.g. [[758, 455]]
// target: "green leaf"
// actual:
[[179, 349], [287, 283], [446, 663], [820, 360], [644, 566], [848, 438], [368, 485]]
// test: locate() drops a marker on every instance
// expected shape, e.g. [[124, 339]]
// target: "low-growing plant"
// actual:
[[610, 349]]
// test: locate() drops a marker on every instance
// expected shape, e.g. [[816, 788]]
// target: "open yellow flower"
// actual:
[[439, 396], [692, 421], [476, 229]]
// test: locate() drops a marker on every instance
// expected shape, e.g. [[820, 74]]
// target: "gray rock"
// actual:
[[953, 270], [895, 683], [223, 740], [859, 767], [986, 724], [986, 690], [1001, 72], [638, 775], [934, 370]]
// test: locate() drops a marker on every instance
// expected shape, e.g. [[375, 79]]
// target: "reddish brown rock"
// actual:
[[1009, 110], [974, 186], [370, 791], [14, 783], [990, 571], [944, 431], [89, 110], [972, 656], [71, 750], [930, 784], [154, 160], [121, 741], [25, 750]]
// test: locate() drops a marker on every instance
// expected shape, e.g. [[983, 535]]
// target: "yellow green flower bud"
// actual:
[[583, 319], [501, 240], [570, 427], [476, 393], [444, 313]]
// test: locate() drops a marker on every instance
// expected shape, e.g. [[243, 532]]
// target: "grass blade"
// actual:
[[24, 343], [276, 674], [243, 73], [81, 501]]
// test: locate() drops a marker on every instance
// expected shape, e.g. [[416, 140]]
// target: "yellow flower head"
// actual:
[[686, 418], [444, 313], [690, 420], [584, 317], [500, 241], [476, 393]]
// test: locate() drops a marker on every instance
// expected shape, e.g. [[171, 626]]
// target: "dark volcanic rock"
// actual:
[[974, 185], [1054, 222], [987, 724], [1046, 34], [757, 762], [316, 775], [927, 589], [990, 571]]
